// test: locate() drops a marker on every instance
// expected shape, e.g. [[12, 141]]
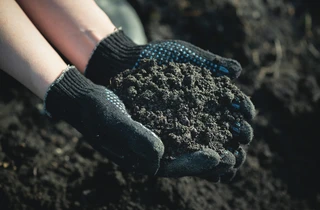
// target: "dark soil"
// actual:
[[184, 105], [46, 165]]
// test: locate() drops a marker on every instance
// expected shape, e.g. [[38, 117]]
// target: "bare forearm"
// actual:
[[25, 54], [73, 27]]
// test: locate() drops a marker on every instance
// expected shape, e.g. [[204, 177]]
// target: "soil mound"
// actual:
[[184, 105]]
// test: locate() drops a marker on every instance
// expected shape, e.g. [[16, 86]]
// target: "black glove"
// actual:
[[101, 117], [117, 53]]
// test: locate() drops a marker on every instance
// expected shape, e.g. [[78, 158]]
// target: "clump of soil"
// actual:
[[184, 105]]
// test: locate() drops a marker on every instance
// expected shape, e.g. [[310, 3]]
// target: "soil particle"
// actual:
[[184, 105]]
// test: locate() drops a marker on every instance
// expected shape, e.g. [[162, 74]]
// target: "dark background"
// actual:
[[45, 165]]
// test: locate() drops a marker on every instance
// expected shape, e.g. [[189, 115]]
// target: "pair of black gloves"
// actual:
[[96, 112]]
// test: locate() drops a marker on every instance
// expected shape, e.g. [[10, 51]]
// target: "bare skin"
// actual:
[[73, 27], [28, 57], [25, 53]]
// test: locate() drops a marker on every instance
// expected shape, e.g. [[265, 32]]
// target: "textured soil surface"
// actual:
[[47, 165], [184, 105]]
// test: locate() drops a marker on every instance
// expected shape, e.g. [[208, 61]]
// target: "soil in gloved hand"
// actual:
[[184, 105]]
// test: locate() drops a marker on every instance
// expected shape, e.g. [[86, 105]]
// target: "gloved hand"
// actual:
[[101, 117], [117, 53]]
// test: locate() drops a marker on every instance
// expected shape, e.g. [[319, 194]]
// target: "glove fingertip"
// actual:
[[233, 66], [192, 164], [147, 146], [227, 159], [240, 155]]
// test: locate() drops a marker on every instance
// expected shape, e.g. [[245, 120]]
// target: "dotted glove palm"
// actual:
[[117, 53], [101, 117]]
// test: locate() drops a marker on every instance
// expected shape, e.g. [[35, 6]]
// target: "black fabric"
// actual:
[[112, 55], [100, 116]]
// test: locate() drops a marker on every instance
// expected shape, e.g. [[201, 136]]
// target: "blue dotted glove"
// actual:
[[183, 52], [117, 53]]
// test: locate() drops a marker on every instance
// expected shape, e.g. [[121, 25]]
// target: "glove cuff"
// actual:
[[64, 93], [112, 55]]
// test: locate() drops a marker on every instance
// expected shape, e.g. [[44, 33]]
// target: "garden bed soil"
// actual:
[[47, 165]]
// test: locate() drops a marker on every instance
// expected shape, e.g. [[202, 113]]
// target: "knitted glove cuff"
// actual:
[[112, 55], [65, 91]]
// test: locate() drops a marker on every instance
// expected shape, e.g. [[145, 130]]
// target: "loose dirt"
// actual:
[[184, 105]]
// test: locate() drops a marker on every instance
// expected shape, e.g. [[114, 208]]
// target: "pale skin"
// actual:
[[28, 57]]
